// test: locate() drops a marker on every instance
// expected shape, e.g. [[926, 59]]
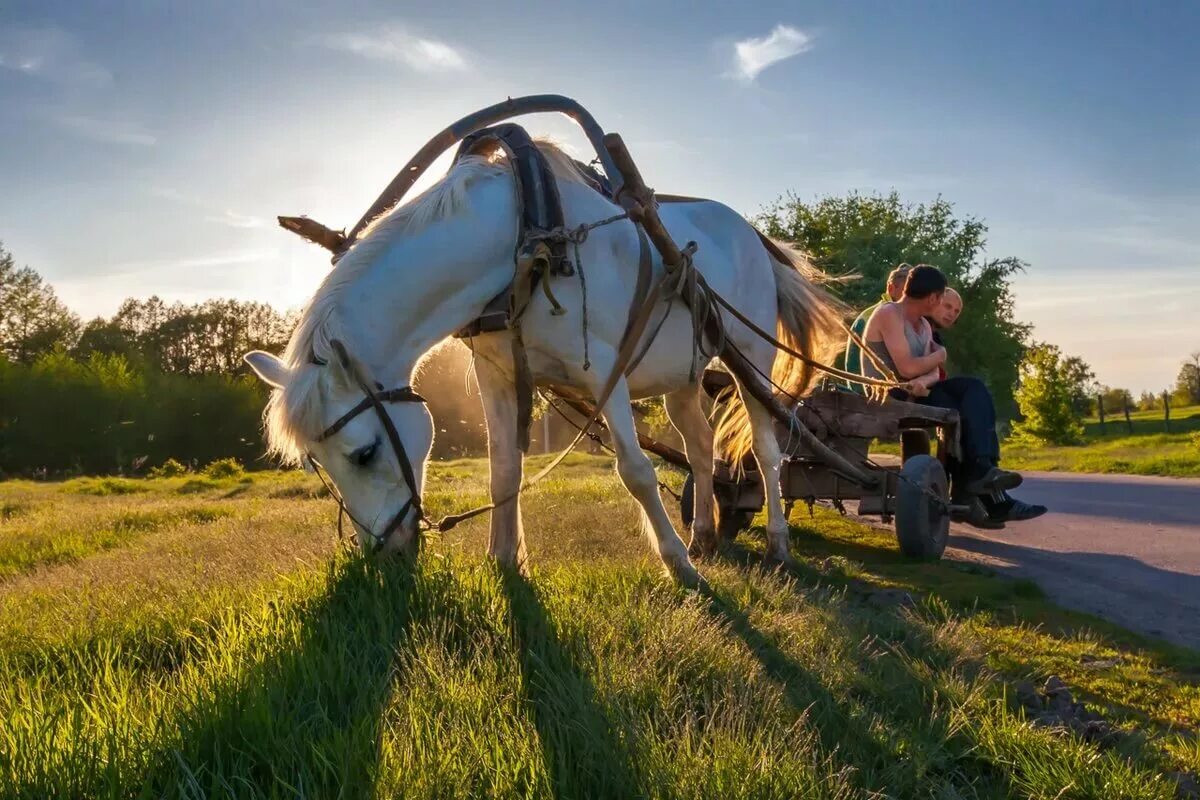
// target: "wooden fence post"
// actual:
[[1167, 412], [1128, 421], [1100, 408]]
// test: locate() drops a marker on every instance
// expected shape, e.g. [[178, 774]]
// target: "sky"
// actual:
[[146, 147]]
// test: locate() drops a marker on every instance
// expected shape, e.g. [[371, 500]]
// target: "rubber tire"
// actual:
[[922, 527]]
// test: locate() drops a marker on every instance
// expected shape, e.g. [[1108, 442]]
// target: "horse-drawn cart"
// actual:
[[912, 494], [824, 437]]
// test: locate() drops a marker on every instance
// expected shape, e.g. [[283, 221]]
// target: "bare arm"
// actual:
[[888, 325]]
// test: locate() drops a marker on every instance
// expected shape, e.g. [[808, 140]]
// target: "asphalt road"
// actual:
[[1123, 547]]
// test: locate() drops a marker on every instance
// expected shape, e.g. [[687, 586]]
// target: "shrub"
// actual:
[[104, 487], [1048, 386], [169, 469], [224, 468]]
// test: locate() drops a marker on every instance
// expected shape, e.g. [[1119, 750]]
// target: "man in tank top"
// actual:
[[901, 338], [892, 294]]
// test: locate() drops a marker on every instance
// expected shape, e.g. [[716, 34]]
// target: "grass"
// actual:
[[1111, 449], [224, 645], [1173, 455], [1149, 450]]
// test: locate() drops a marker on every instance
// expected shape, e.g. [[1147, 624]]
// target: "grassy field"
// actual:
[[1149, 450], [191, 637]]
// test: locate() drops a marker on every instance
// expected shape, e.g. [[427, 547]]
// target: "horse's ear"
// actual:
[[268, 367], [347, 369]]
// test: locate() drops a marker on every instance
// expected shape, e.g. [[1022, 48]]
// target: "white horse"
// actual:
[[427, 269]]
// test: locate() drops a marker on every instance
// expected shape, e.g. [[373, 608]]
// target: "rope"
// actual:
[[575, 237], [812, 362], [802, 402], [595, 437], [587, 362]]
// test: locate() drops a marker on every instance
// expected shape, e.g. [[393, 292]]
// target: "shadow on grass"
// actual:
[[907, 672], [584, 755], [306, 719], [888, 725]]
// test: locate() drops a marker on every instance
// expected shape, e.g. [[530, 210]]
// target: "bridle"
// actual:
[[374, 399]]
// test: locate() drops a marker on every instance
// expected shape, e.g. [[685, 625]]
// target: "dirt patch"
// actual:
[[1053, 707]]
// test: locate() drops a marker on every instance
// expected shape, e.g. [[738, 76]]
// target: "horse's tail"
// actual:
[[810, 321]]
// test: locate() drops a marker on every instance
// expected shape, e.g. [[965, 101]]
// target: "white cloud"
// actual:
[[109, 131], [236, 220], [50, 54], [752, 56], [189, 263], [396, 45]]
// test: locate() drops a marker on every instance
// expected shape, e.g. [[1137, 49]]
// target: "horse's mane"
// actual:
[[294, 414]]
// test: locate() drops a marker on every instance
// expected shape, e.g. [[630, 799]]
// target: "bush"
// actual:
[[1048, 388], [104, 416], [104, 487], [169, 469], [224, 468]]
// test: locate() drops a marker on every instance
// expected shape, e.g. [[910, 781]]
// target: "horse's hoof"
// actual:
[[688, 576], [703, 544], [775, 562]]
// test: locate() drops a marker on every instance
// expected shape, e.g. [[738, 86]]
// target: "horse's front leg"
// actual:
[[505, 460], [637, 473]]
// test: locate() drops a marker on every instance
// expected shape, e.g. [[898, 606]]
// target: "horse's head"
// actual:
[[372, 441]]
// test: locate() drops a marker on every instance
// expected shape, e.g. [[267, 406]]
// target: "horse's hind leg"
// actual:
[[769, 457], [637, 473], [499, 397], [683, 408]]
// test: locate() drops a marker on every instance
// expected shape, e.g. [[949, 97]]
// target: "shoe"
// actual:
[[1017, 511], [994, 480], [977, 516]]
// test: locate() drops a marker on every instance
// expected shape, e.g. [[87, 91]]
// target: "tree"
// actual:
[[1115, 400], [204, 339], [1046, 395], [1187, 384], [867, 236], [106, 337], [1082, 380], [33, 321]]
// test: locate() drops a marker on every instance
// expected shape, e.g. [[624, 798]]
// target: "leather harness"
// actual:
[[541, 252]]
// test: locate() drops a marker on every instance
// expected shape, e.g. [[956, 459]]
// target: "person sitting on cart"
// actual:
[[944, 317], [892, 294], [1003, 507], [901, 338]]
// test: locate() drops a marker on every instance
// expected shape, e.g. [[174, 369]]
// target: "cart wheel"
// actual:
[[687, 508], [922, 523], [730, 524]]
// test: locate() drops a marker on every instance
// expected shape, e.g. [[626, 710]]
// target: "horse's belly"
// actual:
[[667, 365]]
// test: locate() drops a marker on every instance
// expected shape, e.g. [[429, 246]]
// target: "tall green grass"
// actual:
[[250, 656]]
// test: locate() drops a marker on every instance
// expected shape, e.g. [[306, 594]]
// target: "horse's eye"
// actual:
[[363, 455]]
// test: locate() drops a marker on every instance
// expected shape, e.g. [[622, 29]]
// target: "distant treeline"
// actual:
[[155, 381], [103, 415]]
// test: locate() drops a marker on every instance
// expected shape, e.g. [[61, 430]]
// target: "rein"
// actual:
[[375, 400]]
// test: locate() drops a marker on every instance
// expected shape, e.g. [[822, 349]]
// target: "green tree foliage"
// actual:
[[33, 321], [1187, 384], [1148, 401], [60, 415], [1115, 400], [868, 236], [208, 338], [1046, 395], [1079, 376]]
